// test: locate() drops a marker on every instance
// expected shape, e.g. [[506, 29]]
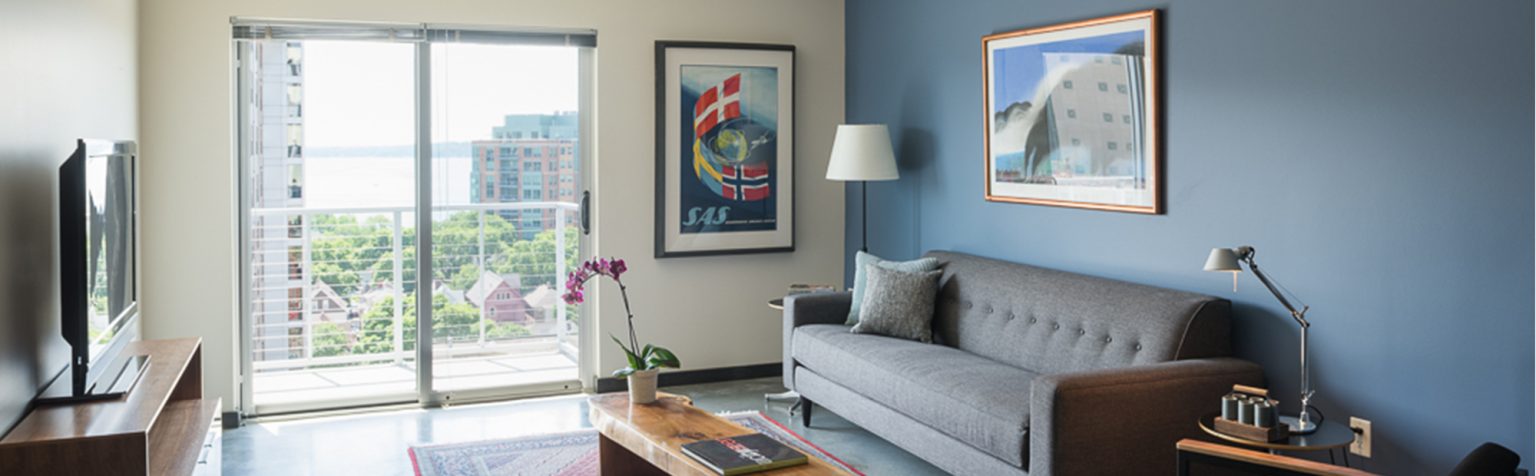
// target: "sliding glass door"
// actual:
[[384, 163], [506, 136]]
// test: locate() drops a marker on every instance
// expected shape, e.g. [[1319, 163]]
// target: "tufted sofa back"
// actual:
[[1050, 321]]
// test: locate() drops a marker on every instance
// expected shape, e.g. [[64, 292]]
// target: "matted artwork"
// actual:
[[724, 148], [1071, 115]]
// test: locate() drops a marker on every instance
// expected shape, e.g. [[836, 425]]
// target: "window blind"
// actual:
[[251, 29]]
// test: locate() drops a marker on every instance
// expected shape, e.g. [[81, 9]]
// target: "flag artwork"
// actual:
[[725, 141], [730, 116]]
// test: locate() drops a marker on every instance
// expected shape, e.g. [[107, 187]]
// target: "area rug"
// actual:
[[567, 454]]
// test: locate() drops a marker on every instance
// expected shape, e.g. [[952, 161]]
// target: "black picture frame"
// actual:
[[784, 165]]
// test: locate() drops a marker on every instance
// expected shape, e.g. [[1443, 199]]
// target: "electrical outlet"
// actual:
[[1362, 444]]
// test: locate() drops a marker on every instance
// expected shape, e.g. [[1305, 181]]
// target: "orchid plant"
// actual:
[[640, 358]]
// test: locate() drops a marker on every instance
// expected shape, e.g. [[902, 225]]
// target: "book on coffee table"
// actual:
[[744, 454]]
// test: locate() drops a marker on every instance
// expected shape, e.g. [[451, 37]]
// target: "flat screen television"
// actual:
[[98, 222]]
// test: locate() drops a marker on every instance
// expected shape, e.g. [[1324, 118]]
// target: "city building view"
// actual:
[[277, 254], [333, 284], [532, 158]]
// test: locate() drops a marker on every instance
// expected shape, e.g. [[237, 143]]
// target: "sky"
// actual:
[[1019, 69], [362, 93]]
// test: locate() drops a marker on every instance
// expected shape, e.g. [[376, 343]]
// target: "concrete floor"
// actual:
[[375, 443]]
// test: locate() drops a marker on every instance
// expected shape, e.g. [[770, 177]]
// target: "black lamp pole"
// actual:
[[864, 215]]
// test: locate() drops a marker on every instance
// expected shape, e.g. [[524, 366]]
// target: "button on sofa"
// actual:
[[1034, 371]]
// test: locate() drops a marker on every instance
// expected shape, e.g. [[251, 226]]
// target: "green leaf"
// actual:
[[634, 360], [624, 372], [646, 353], [662, 357], [620, 343]]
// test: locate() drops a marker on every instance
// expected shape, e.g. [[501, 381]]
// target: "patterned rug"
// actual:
[[567, 454]]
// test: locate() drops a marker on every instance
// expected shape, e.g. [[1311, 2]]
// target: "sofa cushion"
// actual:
[[970, 398], [898, 304], [862, 261]]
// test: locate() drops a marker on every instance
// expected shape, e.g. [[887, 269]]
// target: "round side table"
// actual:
[[777, 303], [1330, 435]]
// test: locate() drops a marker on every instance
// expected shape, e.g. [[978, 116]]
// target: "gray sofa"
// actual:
[[1035, 371]]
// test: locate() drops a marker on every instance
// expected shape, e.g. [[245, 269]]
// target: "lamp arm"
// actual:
[[1300, 315]]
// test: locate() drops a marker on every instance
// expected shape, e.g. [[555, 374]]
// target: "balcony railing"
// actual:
[[495, 287]]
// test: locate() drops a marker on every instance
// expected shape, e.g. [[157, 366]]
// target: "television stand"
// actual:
[[163, 426], [118, 379]]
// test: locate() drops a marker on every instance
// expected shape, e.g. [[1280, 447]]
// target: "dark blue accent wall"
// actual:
[[1378, 153]]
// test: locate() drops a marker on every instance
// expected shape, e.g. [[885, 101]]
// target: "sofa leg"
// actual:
[[805, 411]]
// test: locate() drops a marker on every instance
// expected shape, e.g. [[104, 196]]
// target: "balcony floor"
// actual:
[[284, 390]]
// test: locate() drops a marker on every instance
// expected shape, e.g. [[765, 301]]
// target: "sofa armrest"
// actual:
[[814, 308], [1125, 420]]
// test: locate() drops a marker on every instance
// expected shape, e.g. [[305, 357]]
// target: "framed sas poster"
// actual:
[[724, 148]]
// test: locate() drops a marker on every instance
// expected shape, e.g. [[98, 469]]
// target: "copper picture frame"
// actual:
[[1071, 112]]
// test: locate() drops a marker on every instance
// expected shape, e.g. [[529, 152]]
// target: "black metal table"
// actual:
[[1330, 435]]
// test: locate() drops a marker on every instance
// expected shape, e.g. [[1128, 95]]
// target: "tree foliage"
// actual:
[[348, 253], [354, 255], [329, 340]]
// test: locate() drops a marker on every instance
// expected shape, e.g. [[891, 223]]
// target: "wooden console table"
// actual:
[[163, 427]]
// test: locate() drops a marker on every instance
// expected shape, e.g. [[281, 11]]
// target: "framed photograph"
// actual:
[[1072, 115], [725, 142]]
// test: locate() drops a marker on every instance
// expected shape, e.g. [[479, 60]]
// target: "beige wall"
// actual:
[[711, 311]]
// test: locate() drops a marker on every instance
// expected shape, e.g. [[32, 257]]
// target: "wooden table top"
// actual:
[[657, 432], [132, 414]]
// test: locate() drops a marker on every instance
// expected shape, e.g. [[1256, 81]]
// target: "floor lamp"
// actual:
[[862, 153]]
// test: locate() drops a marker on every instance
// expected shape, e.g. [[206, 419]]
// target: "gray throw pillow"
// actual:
[[899, 304], [863, 260]]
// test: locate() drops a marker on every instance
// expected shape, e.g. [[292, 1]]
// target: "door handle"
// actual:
[[586, 212]]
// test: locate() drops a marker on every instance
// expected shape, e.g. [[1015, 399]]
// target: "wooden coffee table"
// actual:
[[647, 439]]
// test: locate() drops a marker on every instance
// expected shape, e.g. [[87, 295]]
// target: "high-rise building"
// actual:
[[532, 158], [279, 271], [1096, 113]]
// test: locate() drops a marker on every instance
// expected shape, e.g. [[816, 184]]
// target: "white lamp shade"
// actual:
[[1222, 259], [862, 152]]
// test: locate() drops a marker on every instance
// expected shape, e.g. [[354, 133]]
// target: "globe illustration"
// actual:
[[730, 146]]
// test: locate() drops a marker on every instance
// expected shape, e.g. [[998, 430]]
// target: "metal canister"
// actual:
[[1229, 406], [1264, 414], [1245, 410]]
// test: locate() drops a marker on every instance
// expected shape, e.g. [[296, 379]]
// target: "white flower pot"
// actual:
[[642, 386]]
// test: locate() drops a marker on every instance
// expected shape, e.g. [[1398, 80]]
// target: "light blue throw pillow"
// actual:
[[863, 260]]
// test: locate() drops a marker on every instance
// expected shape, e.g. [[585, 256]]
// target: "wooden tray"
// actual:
[[1276, 433]]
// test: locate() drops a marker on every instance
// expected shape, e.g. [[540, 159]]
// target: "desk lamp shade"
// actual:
[[1222, 259], [862, 152]]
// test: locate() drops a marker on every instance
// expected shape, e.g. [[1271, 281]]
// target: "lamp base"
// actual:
[[1299, 426]]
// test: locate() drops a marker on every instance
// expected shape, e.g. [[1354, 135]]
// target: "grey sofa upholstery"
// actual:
[[1035, 371]]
